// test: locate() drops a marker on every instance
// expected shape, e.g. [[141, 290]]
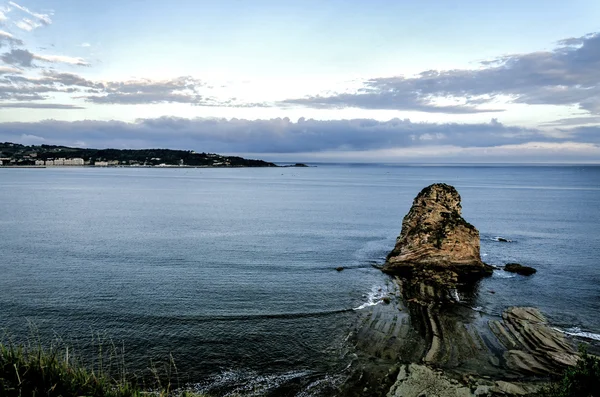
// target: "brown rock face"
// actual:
[[436, 239]]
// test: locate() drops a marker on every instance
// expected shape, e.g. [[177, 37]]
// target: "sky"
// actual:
[[361, 81]]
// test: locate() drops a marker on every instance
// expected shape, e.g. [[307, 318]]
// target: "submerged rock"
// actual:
[[519, 269], [436, 243]]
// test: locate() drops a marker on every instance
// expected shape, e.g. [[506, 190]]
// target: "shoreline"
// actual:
[[153, 166]]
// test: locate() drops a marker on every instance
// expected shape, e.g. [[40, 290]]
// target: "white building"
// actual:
[[74, 161], [49, 162], [39, 162], [101, 163]]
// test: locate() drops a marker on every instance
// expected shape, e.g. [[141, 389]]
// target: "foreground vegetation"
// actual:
[[582, 380], [34, 371]]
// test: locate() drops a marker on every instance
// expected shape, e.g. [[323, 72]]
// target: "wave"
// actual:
[[374, 297], [499, 273], [502, 239], [454, 294], [576, 331], [247, 382]]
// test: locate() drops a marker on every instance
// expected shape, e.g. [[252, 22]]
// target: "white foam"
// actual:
[[454, 294], [499, 273], [497, 238], [576, 331], [248, 383], [373, 297]]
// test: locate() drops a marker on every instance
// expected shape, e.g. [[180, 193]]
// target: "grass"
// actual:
[[31, 370]]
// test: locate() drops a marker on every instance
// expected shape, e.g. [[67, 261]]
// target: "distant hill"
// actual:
[[17, 154]]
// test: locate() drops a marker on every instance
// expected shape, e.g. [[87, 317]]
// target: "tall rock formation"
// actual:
[[436, 242]]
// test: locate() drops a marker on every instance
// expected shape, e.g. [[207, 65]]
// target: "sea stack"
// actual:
[[436, 243]]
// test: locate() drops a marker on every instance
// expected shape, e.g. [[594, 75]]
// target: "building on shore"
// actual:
[[61, 162], [101, 163], [74, 161]]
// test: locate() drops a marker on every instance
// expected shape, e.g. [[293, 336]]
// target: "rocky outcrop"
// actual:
[[436, 243], [519, 269]]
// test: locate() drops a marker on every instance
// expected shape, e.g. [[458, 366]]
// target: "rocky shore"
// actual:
[[426, 342]]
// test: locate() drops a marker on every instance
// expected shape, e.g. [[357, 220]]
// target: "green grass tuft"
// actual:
[[35, 371]]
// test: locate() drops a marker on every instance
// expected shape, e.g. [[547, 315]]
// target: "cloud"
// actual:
[[29, 24], [85, 45], [32, 105], [574, 121], [62, 59], [130, 92], [145, 91], [18, 57], [391, 99], [360, 139], [27, 139], [9, 70], [23, 88], [25, 58], [7, 38], [282, 135], [568, 75]]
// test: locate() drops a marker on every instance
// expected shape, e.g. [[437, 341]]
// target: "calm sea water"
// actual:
[[232, 271]]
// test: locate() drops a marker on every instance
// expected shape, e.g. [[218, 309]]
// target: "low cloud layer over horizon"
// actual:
[[523, 103]]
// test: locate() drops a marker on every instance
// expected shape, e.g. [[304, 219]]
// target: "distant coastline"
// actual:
[[14, 155]]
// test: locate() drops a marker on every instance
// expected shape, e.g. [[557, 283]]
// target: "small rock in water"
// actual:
[[504, 240], [339, 268], [492, 292], [519, 269], [386, 299]]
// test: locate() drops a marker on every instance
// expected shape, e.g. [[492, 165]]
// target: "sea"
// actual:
[[229, 275]]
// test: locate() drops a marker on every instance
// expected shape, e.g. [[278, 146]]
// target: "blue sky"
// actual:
[[315, 80]]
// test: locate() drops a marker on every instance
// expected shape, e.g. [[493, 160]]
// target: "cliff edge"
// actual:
[[436, 242]]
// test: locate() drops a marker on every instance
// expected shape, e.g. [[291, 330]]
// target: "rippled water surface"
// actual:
[[232, 271]]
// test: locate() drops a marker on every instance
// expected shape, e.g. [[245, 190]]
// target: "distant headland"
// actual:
[[17, 155]]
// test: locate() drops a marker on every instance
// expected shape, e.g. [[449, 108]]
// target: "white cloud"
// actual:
[[6, 37], [85, 45], [25, 58], [28, 139], [9, 70], [27, 24], [62, 59], [43, 19]]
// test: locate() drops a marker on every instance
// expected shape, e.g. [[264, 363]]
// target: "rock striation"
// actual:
[[436, 243]]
